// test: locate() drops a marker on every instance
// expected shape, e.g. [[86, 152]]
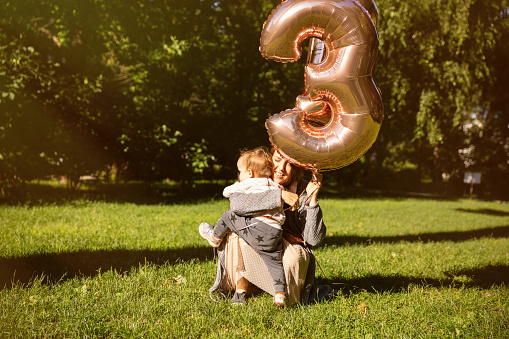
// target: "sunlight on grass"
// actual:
[[402, 267], [102, 225]]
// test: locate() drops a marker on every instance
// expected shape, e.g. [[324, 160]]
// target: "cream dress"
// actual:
[[242, 261]]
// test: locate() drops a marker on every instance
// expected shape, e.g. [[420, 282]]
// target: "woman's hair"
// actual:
[[295, 174], [259, 160]]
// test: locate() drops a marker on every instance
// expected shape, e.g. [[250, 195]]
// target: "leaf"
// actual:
[[179, 280], [362, 307]]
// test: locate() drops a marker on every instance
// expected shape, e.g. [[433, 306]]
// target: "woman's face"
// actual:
[[282, 169]]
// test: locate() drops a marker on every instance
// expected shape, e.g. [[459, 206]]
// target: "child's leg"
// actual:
[[274, 264], [266, 241], [228, 222], [242, 285]]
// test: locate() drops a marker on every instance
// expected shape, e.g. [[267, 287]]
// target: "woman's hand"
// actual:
[[291, 199], [313, 187]]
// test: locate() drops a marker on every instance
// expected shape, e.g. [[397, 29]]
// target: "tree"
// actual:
[[173, 89], [435, 73], [47, 120]]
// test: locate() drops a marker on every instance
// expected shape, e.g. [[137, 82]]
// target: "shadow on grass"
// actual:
[[487, 211], [332, 191], [485, 277], [492, 232], [59, 266]]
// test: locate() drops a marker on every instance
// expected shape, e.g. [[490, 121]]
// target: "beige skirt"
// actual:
[[241, 261]]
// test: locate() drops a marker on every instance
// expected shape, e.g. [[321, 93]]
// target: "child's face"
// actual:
[[244, 173]]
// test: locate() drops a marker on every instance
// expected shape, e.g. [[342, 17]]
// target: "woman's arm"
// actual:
[[314, 227], [313, 187]]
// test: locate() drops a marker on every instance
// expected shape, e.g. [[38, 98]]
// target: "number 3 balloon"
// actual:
[[338, 117]]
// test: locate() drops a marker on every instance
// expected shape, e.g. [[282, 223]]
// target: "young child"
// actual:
[[262, 232]]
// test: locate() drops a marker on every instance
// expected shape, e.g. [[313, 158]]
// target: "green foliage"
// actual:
[[144, 85], [436, 74]]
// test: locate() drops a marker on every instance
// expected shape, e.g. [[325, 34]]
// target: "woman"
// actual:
[[239, 265]]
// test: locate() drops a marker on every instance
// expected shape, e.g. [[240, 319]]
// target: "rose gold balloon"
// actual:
[[370, 6], [317, 47], [338, 117]]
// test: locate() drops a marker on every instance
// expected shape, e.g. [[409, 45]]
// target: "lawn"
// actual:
[[403, 268]]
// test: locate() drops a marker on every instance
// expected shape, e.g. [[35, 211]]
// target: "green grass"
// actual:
[[403, 267]]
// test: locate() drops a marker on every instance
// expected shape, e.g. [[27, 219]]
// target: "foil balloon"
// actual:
[[338, 117]]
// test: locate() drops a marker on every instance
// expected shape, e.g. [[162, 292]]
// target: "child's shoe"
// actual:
[[207, 232], [239, 298], [279, 299]]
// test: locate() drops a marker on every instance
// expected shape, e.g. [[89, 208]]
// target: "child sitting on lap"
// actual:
[[262, 232]]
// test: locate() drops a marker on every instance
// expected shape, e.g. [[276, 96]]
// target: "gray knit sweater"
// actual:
[[306, 220]]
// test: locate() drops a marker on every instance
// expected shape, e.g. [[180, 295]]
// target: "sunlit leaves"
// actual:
[[434, 71]]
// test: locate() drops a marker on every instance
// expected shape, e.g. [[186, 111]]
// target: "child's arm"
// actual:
[[234, 188]]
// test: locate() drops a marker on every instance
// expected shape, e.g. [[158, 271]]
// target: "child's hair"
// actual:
[[259, 160]]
